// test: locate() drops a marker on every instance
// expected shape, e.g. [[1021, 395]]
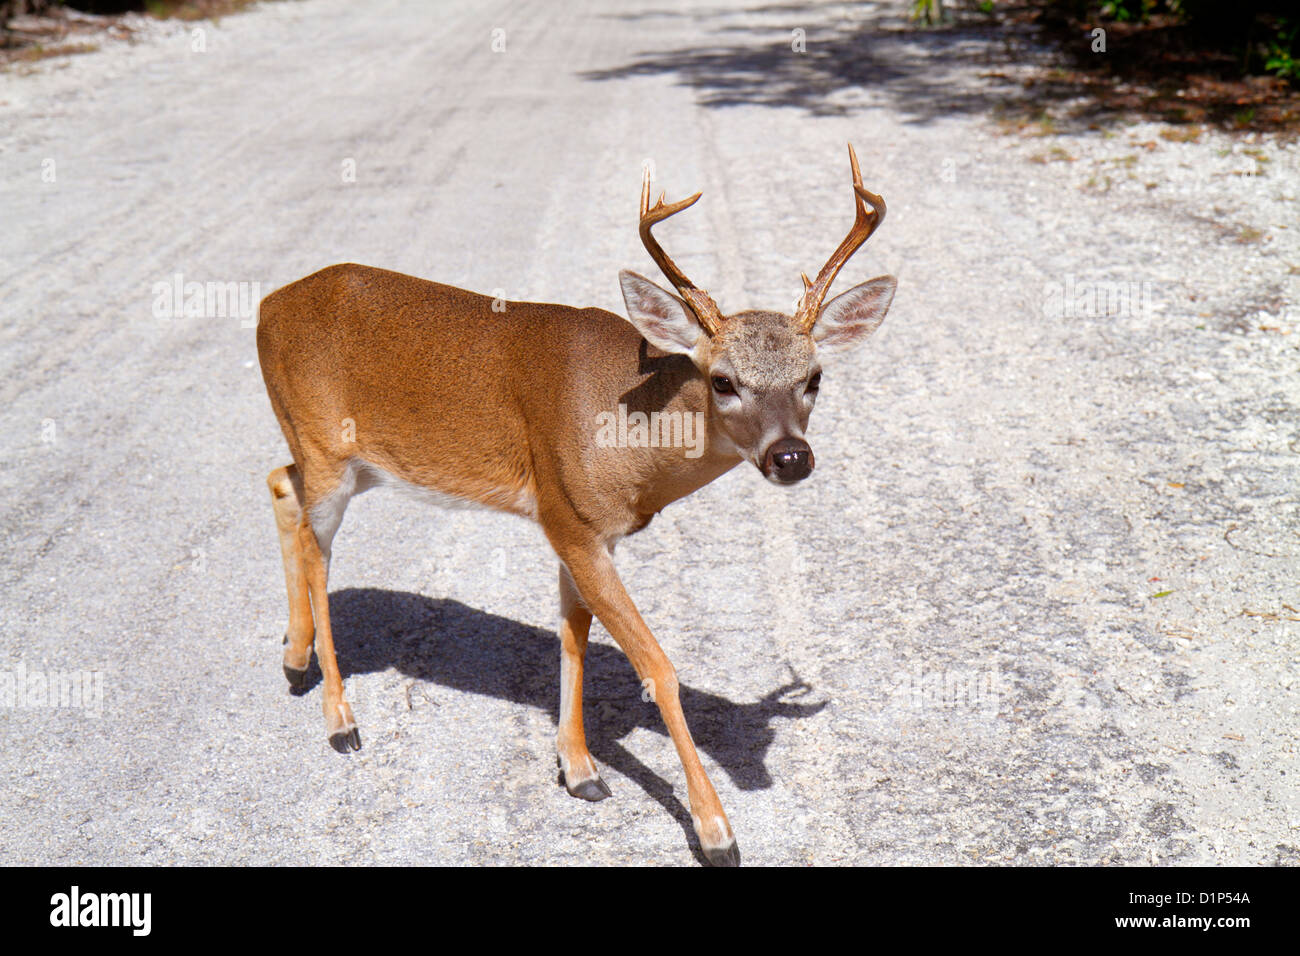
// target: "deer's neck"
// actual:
[[690, 450]]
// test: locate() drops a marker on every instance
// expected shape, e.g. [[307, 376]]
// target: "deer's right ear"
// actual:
[[660, 316]]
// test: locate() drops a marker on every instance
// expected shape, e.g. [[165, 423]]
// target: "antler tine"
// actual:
[[865, 222], [705, 309]]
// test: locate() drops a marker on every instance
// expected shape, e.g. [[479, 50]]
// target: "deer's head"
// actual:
[[763, 368]]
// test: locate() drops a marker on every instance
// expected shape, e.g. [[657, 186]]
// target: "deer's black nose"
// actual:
[[788, 460]]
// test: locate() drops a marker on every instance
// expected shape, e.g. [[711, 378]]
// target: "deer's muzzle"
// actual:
[[788, 460]]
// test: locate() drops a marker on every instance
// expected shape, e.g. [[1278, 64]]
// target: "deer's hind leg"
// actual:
[[287, 498], [307, 515], [581, 778], [325, 504]]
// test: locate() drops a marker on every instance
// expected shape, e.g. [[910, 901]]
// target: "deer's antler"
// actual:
[[705, 309], [865, 223]]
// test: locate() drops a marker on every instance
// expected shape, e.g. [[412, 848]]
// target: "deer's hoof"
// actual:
[[297, 678], [726, 856], [582, 780], [593, 789], [295, 667], [346, 741]]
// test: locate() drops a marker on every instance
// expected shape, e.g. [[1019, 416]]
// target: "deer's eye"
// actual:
[[815, 382], [722, 385]]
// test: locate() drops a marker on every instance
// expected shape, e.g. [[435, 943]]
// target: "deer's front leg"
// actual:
[[593, 572], [580, 775]]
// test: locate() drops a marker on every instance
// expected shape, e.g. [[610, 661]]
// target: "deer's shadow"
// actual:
[[447, 643]]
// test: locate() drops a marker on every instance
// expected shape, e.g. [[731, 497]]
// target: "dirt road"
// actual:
[[1037, 605]]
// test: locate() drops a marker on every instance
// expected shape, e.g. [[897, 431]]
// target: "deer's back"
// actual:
[[431, 385]]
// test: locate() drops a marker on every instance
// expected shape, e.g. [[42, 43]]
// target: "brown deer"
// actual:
[[379, 378]]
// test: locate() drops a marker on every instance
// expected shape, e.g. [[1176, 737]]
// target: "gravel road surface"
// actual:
[[1037, 605]]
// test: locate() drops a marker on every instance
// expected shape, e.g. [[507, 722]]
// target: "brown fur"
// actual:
[[495, 407], [373, 372]]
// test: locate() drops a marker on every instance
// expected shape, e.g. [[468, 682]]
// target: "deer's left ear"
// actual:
[[854, 315]]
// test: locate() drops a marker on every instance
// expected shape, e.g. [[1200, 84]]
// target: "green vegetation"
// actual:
[[1260, 34], [1281, 48]]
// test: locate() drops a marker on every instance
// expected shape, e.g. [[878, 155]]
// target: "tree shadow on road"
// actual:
[[744, 57], [447, 643], [834, 59]]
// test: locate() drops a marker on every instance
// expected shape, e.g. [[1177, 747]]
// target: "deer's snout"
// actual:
[[788, 460]]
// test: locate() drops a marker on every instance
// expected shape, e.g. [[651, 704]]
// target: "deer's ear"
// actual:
[[659, 315], [853, 315]]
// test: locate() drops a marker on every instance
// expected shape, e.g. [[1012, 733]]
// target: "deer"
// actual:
[[382, 379]]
